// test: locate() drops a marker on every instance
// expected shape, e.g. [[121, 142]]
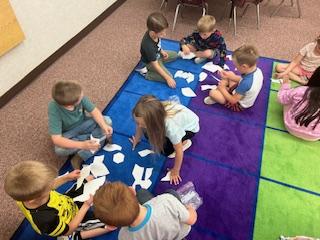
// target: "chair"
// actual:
[[189, 3], [240, 4], [292, 4]]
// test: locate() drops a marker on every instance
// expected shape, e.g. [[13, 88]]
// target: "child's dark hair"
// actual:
[[157, 22], [66, 92], [311, 111]]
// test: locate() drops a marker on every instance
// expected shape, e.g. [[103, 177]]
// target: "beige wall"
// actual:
[[47, 25]]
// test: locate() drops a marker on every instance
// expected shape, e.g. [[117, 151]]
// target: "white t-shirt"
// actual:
[[310, 61], [184, 120]]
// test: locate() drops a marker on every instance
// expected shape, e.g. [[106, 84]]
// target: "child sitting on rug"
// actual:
[[303, 65], [153, 56], [206, 42], [169, 126], [163, 217], [301, 107], [70, 128], [298, 238], [239, 92], [50, 213]]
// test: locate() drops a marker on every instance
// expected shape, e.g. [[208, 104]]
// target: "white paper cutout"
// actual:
[[96, 140], [118, 158], [166, 178], [84, 172], [188, 56], [98, 169], [212, 67], [229, 57], [188, 92], [202, 76], [276, 80], [178, 74], [137, 173], [145, 152], [112, 147], [190, 77], [99, 158], [207, 87], [226, 67], [90, 188]]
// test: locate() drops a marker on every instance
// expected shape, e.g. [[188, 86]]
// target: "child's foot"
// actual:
[[76, 161], [209, 101], [186, 145], [199, 60], [143, 71]]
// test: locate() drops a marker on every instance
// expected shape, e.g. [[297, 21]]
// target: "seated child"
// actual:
[[303, 65], [163, 217], [239, 92], [169, 126], [298, 238], [69, 126], [153, 56], [301, 107], [206, 42], [50, 213]]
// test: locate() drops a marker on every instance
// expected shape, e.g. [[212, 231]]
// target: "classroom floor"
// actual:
[[102, 61]]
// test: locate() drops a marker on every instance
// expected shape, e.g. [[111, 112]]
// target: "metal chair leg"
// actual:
[[163, 2], [175, 17], [277, 9], [203, 11], [299, 8], [245, 10], [258, 16], [235, 20]]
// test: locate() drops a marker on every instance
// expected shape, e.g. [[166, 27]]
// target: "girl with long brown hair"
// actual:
[[169, 126]]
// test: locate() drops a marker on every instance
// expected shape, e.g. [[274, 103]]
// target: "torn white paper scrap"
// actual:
[[207, 87], [226, 67], [187, 56], [118, 158], [145, 152], [99, 169], [84, 172], [229, 57], [190, 77], [99, 158], [202, 76], [112, 147], [90, 188], [276, 80], [166, 178], [178, 74], [188, 92], [137, 173], [185, 75], [212, 67], [96, 140]]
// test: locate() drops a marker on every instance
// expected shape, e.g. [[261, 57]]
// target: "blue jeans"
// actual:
[[82, 133]]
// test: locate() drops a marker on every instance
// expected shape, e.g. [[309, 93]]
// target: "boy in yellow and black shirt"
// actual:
[[50, 213]]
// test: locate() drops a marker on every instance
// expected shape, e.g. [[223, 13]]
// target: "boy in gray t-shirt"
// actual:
[[163, 217]]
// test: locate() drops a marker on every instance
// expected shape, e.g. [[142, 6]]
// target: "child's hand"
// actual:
[[165, 55], [90, 145], [171, 83], [134, 142], [185, 49], [75, 174], [108, 131], [285, 79], [280, 75], [175, 177], [89, 201], [226, 74]]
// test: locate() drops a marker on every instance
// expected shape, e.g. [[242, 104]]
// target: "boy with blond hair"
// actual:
[[153, 56], [239, 92], [70, 128], [32, 185], [206, 42], [163, 217]]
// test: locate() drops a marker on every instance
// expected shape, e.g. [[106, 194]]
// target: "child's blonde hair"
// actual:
[[115, 204], [206, 24], [66, 92], [246, 54], [157, 22], [28, 180]]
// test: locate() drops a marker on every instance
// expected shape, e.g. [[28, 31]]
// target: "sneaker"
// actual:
[[76, 161], [199, 60], [143, 71], [185, 147], [209, 101]]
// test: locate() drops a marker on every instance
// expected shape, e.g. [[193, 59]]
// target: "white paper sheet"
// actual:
[[145, 152], [226, 67], [112, 147], [212, 67], [137, 173], [97, 140], [190, 77], [90, 188], [84, 172], [188, 56], [276, 80], [98, 158], [202, 76], [178, 74], [98, 169], [207, 87], [118, 158], [166, 178], [188, 92]]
